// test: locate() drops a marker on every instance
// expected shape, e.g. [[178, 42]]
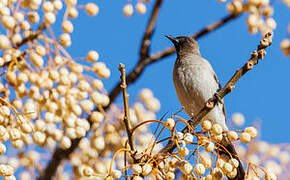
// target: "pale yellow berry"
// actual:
[[208, 177], [40, 50], [128, 10], [217, 129], [72, 12], [141, 8], [24, 25], [97, 117], [5, 11], [234, 173], [19, 16], [71, 2], [84, 85], [65, 142], [185, 167], [39, 137], [92, 9], [206, 125], [14, 134], [227, 167], [87, 105], [57, 4], [245, 137], [153, 104], [104, 73], [137, 178], [238, 119], [4, 111], [97, 84], [2, 148], [16, 38], [47, 6], [4, 42], [169, 123], [8, 22], [206, 161], [264, 2], [99, 143], [17, 143], [6, 170], [137, 169], [271, 23], [88, 171], [146, 169], [209, 146], [170, 175], [252, 131], [36, 59], [199, 169], [33, 17], [254, 2], [232, 135], [268, 11], [217, 173], [183, 152], [65, 39], [49, 18], [67, 26], [188, 138], [252, 20], [234, 162], [92, 56]]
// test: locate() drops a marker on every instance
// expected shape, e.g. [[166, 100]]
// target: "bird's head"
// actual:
[[184, 45]]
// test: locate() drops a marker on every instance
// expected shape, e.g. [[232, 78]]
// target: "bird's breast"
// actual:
[[194, 83]]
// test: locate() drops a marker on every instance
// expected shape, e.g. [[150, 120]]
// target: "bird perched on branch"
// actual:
[[195, 82]]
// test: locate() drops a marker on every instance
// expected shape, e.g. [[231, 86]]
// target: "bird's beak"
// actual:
[[172, 39]]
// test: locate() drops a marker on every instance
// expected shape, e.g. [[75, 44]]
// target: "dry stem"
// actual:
[[126, 106]]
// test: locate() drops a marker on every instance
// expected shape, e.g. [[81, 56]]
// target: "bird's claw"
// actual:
[[219, 99]]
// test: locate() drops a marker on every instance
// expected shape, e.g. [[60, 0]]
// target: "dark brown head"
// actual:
[[184, 45]]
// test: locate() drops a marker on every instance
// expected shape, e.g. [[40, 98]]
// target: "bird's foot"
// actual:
[[219, 99]]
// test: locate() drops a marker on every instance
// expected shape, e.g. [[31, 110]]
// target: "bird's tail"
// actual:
[[230, 149]]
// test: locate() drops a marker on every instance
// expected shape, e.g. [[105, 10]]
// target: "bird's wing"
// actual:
[[224, 109]]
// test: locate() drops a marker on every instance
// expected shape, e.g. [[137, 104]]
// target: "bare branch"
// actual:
[[126, 105], [33, 36], [210, 104], [146, 41], [25, 40]]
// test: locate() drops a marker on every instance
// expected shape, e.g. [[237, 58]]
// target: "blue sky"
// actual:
[[262, 94]]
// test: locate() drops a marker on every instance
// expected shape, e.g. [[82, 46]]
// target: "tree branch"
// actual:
[[126, 106], [145, 44], [210, 104]]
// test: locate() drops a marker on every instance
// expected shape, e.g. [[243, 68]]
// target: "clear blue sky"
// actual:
[[262, 94]]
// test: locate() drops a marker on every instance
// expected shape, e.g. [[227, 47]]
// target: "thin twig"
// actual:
[[33, 36], [210, 104], [126, 106], [146, 41]]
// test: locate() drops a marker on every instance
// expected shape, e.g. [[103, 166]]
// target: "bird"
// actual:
[[195, 82]]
